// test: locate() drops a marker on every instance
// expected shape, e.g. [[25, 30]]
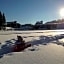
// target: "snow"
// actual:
[[47, 47]]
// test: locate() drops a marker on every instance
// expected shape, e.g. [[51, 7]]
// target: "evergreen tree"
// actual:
[[4, 20], [0, 15], [1, 19]]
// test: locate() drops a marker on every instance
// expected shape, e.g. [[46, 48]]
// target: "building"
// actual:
[[13, 24], [27, 27], [59, 24]]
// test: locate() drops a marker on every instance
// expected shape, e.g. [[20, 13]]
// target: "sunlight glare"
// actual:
[[62, 12]]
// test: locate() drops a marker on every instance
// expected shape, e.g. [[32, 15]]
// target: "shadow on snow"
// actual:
[[6, 48], [43, 40]]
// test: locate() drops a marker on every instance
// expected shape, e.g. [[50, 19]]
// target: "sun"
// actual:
[[62, 12]]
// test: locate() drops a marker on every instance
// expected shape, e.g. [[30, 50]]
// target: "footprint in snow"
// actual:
[[33, 49]]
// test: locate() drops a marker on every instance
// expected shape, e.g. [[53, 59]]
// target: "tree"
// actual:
[[2, 20]]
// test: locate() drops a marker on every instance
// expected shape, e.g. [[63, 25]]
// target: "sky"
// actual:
[[30, 11]]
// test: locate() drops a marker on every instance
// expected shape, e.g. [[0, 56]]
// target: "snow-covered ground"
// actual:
[[47, 47]]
